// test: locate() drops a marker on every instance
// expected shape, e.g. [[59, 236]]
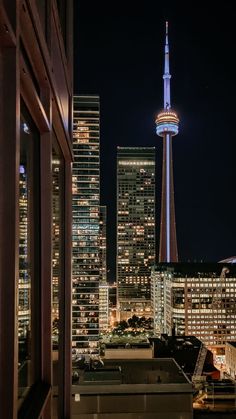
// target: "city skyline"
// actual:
[[82, 195], [127, 74]]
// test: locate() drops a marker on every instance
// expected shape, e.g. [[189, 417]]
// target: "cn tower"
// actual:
[[167, 123]]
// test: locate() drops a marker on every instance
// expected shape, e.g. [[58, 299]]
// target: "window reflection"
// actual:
[[29, 257], [24, 307], [24, 286], [57, 260], [56, 233]]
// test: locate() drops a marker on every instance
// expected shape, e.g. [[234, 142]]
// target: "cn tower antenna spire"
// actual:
[[166, 32], [166, 75], [167, 126]]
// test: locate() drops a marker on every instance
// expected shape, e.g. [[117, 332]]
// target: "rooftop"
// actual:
[[231, 259], [123, 344], [134, 376], [177, 342], [190, 269]]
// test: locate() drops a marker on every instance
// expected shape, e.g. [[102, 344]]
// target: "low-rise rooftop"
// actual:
[[134, 375]]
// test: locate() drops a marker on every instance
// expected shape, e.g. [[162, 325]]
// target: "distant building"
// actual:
[[103, 306], [195, 299], [135, 229], [112, 303], [230, 359], [85, 229]]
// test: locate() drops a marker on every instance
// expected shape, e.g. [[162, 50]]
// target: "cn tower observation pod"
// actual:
[[167, 122]]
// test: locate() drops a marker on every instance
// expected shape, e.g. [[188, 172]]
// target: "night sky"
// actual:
[[119, 53]]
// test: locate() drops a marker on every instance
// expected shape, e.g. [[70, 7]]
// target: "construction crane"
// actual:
[[217, 300], [199, 363], [218, 291]]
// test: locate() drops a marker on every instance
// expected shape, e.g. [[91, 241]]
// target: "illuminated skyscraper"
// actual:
[[85, 241], [135, 229], [167, 126]]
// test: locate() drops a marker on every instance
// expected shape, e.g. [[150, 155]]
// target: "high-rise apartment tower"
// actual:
[[135, 229], [85, 213]]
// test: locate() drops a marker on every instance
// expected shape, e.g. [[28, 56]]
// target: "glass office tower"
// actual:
[[135, 229], [85, 208]]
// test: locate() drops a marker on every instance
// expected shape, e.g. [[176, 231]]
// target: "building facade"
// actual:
[[135, 229], [112, 296], [86, 227], [103, 243], [157, 300], [103, 285], [103, 306], [36, 124], [195, 299]]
